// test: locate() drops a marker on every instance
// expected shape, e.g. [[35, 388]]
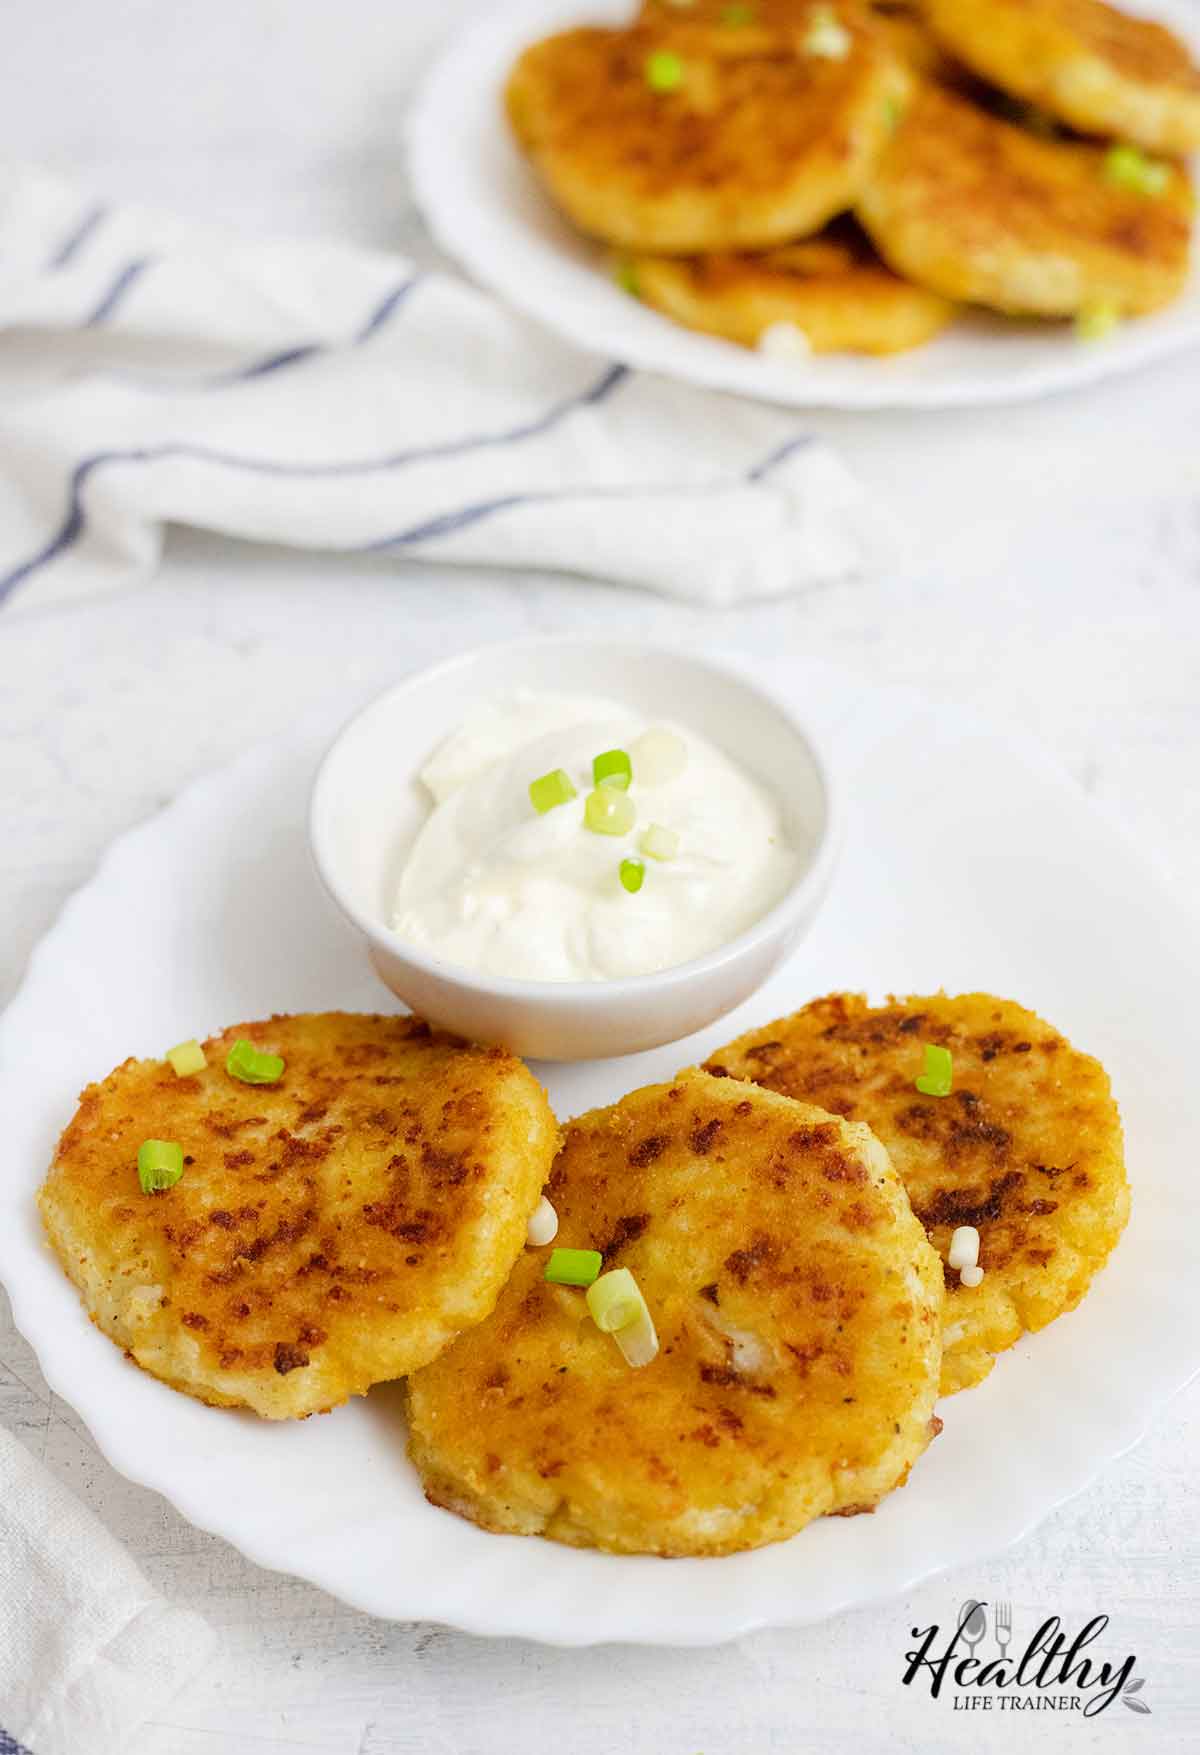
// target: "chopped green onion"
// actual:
[[893, 109], [633, 875], [1128, 168], [659, 843], [737, 15], [619, 1309], [935, 1081], [664, 71], [612, 768], [638, 1340], [615, 1300], [659, 756], [609, 811], [1097, 320], [573, 1267], [187, 1058], [159, 1165], [626, 276], [252, 1066], [827, 37], [543, 1225], [551, 789], [784, 340]]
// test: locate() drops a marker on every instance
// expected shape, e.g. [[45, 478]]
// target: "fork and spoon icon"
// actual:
[[972, 1621]]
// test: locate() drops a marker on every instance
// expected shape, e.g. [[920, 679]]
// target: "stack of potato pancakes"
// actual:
[[835, 1220], [801, 177]]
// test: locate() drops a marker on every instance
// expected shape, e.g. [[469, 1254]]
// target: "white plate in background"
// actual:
[[969, 862], [486, 208]]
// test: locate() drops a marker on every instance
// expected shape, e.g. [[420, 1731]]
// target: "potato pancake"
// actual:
[[833, 288], [797, 1305], [906, 31], [1027, 1147], [982, 210], [717, 140], [329, 1231], [1090, 65]]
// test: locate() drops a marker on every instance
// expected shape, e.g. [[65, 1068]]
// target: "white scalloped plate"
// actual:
[[485, 207], [969, 862]]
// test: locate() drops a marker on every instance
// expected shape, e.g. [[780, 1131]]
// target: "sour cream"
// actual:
[[495, 886]]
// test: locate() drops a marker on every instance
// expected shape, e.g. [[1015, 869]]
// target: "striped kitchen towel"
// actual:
[[155, 371]]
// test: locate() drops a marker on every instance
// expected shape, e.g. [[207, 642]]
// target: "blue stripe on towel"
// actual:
[[449, 523], [277, 362], [9, 1745], [75, 520], [379, 316], [70, 247], [274, 362], [129, 275], [779, 455]]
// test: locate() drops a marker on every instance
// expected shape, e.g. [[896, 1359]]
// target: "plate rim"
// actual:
[[425, 135], [997, 1531]]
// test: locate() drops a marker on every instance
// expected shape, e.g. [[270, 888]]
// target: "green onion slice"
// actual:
[[659, 843], [1097, 320], [159, 1165], [1127, 167], [664, 71], [626, 276], [935, 1081], [549, 790], [609, 811], [632, 874], [737, 15], [615, 1300], [638, 1342], [659, 756], [827, 37], [573, 1267], [252, 1066], [612, 768], [187, 1058]]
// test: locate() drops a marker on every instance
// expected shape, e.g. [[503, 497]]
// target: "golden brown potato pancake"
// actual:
[[1027, 1148], [1089, 64], [906, 31], [753, 145], [832, 287], [797, 1305], [329, 1231], [982, 210]]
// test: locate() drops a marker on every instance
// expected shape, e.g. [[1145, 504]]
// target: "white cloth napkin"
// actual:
[[153, 370], [88, 1652]]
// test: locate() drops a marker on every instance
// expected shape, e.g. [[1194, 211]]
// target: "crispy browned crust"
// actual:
[[328, 1232], [797, 1306], [1027, 1148], [833, 287], [985, 211], [757, 145], [1089, 64]]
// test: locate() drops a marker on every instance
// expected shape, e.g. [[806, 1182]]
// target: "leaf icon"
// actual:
[[1134, 1705], [1135, 1684]]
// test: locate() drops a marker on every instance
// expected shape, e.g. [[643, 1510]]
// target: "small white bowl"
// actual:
[[368, 806]]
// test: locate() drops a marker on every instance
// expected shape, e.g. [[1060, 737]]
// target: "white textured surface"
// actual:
[[1053, 580]]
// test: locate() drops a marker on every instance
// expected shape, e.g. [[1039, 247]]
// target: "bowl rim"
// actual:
[[809, 884]]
